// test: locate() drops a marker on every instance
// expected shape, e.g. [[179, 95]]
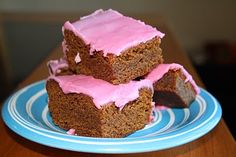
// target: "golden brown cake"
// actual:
[[99, 109], [173, 86], [172, 91]]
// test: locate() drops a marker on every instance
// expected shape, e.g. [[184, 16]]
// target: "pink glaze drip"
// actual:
[[111, 32], [101, 91], [160, 107], [162, 69], [64, 47], [77, 58], [71, 132], [55, 65]]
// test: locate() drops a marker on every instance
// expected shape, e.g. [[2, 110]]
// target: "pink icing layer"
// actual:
[[55, 65], [101, 91], [111, 32], [162, 69]]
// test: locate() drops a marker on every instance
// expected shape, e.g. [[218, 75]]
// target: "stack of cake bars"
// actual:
[[103, 85]]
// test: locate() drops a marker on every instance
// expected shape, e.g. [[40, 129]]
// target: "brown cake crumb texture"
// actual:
[[132, 63], [173, 91], [78, 111]]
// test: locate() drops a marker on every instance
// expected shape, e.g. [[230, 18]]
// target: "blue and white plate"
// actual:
[[26, 113]]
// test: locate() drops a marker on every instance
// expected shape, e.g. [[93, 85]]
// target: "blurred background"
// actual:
[[31, 29]]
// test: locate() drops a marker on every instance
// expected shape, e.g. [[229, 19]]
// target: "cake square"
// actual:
[[96, 108], [173, 86], [112, 47]]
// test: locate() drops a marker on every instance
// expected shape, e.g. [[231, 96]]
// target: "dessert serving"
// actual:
[[112, 47], [173, 85], [94, 107], [103, 86]]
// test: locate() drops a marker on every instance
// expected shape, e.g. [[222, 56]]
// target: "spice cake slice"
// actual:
[[173, 86], [94, 107], [112, 47]]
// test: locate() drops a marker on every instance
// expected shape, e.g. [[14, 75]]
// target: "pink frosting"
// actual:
[[77, 58], [64, 47], [111, 32], [71, 132], [55, 65], [101, 91], [162, 69], [161, 107]]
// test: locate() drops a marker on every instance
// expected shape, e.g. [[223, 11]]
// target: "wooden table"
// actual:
[[218, 142]]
